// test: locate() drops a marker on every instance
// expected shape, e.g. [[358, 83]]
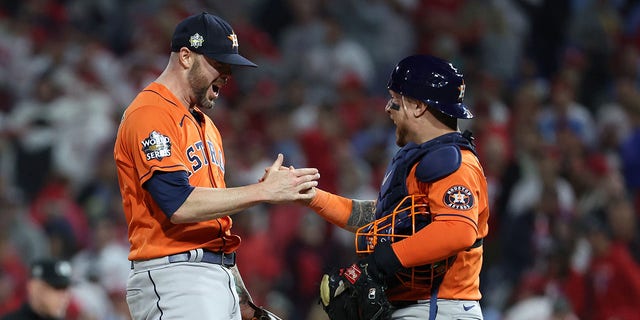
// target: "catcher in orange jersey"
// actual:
[[171, 167], [421, 240]]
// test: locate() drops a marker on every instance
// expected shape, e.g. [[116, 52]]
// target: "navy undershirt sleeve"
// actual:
[[169, 189]]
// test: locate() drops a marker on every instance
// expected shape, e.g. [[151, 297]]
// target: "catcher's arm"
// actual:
[[349, 214], [248, 309]]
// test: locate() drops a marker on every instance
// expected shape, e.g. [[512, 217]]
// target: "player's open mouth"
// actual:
[[216, 90]]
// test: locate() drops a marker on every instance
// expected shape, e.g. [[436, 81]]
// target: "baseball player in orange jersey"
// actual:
[[421, 240], [171, 168]]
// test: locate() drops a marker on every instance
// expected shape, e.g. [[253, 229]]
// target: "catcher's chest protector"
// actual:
[[394, 187]]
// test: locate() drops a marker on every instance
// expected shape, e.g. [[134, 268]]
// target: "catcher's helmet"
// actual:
[[432, 80], [410, 215]]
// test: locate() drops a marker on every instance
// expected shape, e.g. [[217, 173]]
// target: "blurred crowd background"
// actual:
[[553, 85]]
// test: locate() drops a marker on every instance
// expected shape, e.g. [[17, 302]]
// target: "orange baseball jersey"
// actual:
[[460, 196], [158, 133]]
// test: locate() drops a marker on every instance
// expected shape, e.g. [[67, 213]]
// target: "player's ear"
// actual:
[[420, 108], [185, 57]]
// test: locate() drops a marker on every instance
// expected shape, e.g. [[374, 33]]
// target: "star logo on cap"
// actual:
[[196, 40], [234, 39]]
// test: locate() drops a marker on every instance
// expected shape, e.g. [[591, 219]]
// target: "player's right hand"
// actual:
[[284, 184]]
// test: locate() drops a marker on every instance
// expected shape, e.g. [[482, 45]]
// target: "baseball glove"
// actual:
[[262, 313], [353, 293]]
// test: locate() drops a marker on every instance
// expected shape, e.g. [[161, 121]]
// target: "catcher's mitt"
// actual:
[[262, 313], [353, 293]]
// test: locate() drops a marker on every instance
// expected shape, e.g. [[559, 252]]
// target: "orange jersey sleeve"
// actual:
[[459, 207], [157, 133]]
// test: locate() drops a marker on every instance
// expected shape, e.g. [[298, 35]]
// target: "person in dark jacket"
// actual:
[[48, 293]]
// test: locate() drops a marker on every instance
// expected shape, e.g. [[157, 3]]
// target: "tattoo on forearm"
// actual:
[[362, 213], [243, 294]]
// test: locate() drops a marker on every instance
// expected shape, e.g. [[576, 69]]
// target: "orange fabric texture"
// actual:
[[445, 238], [333, 208], [460, 211], [157, 133]]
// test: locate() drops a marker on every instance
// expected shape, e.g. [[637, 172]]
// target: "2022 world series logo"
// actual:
[[156, 146]]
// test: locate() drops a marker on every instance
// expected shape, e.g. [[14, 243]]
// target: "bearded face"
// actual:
[[206, 78], [402, 134], [200, 84]]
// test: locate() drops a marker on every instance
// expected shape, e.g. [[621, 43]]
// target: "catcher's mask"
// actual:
[[409, 216]]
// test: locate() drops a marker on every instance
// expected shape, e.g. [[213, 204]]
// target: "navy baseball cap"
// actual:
[[56, 273], [211, 36]]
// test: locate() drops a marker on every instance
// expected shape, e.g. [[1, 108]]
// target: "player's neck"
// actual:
[[172, 81], [429, 128]]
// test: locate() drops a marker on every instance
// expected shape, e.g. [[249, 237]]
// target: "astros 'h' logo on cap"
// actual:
[[234, 39], [461, 88]]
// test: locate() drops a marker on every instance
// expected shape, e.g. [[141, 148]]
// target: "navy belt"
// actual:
[[195, 255], [225, 259]]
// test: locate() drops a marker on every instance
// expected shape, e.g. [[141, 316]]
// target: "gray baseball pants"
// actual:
[[159, 290]]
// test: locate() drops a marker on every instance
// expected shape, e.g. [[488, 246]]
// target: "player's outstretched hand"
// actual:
[[282, 184]]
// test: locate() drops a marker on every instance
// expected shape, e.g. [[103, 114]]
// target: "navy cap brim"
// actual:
[[56, 274], [232, 59], [60, 283]]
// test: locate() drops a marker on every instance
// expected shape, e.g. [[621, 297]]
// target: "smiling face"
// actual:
[[206, 77]]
